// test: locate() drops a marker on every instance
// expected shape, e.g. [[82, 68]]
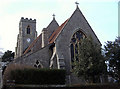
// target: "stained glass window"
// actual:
[[75, 44]]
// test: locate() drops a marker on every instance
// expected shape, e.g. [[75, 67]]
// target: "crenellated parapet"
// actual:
[[27, 20]]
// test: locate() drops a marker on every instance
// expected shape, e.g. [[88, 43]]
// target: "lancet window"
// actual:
[[28, 29]]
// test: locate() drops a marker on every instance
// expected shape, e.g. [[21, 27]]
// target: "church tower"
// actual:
[[27, 34]]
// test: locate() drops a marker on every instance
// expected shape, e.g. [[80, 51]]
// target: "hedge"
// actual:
[[38, 76]]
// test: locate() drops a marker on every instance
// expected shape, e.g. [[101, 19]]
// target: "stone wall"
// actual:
[[22, 42], [42, 56], [75, 23]]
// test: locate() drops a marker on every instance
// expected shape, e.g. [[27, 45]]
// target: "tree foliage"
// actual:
[[90, 64], [112, 52], [8, 56]]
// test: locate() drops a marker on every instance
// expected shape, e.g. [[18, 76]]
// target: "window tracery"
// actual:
[[75, 44], [38, 64]]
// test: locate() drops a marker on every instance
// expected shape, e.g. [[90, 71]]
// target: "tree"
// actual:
[[8, 56], [90, 64], [112, 53]]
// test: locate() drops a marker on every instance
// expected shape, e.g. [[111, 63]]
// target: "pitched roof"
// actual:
[[56, 32], [87, 23], [53, 22], [36, 44], [52, 27]]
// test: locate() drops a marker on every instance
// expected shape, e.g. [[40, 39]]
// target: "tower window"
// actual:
[[28, 30]]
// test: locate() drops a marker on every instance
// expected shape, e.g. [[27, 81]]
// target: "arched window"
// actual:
[[28, 29], [75, 44]]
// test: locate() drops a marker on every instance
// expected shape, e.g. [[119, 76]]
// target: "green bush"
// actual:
[[38, 76], [12, 67]]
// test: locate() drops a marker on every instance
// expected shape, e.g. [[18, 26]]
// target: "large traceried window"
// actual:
[[75, 44], [28, 29]]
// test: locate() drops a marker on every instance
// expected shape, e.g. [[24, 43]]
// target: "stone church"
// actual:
[[56, 46]]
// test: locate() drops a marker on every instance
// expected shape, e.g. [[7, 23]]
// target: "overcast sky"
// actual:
[[102, 15]]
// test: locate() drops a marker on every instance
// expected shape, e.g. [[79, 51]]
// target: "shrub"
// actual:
[[11, 67], [27, 75]]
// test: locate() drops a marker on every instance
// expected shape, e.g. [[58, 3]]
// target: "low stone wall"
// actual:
[[105, 86]]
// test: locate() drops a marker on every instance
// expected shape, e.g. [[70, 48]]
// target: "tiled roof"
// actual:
[[36, 44], [56, 32], [52, 27]]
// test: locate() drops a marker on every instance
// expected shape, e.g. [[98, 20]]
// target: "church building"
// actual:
[[56, 46]]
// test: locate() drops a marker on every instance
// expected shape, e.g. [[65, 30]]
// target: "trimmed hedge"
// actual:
[[38, 76]]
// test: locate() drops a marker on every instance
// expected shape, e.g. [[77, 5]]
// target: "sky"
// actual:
[[102, 15]]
